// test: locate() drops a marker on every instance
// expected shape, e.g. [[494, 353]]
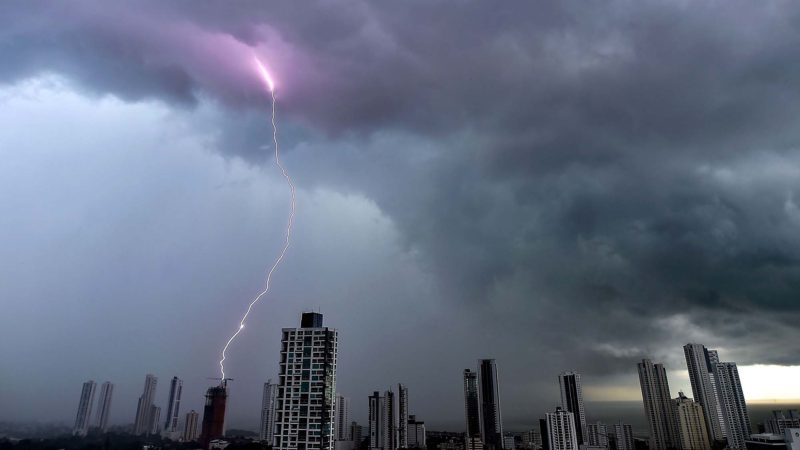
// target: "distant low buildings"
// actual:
[[781, 420]]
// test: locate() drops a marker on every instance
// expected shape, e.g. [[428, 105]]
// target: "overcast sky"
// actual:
[[557, 185]]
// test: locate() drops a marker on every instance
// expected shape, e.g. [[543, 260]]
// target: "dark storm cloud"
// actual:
[[580, 176]]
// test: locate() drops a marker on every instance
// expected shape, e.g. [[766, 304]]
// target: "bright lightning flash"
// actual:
[[271, 86]]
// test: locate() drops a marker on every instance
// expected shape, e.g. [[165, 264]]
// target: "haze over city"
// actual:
[[558, 186]]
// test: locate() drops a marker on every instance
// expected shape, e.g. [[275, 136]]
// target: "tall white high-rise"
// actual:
[[382, 421], [268, 403], [190, 427], [402, 417], [173, 405], [307, 386], [690, 424], [84, 414], [657, 405], [104, 406], [732, 404], [144, 421], [561, 431], [342, 431], [700, 362], [572, 401]]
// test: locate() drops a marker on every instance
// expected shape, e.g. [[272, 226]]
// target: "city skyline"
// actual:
[[556, 185]]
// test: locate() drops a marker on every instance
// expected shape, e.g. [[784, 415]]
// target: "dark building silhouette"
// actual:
[[214, 414], [491, 419], [572, 401], [472, 409]]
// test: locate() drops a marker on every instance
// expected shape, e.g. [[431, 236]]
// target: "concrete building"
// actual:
[[690, 423], [700, 363], [155, 418], [572, 401], [657, 405], [732, 404], [402, 416], [491, 418], [623, 435], [266, 431], [382, 421], [304, 416], [472, 411], [104, 406], [509, 442], [84, 414], [561, 431], [596, 434], [214, 414], [190, 427], [531, 439], [173, 407], [143, 424], [342, 431], [781, 420], [416, 433]]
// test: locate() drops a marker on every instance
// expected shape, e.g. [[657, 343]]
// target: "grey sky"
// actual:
[[558, 185]]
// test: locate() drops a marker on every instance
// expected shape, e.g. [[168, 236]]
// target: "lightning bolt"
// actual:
[[271, 87]]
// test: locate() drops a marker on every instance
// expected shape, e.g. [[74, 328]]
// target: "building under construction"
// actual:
[[214, 414]]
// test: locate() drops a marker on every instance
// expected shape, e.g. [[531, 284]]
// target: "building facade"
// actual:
[[572, 401], [690, 424], [596, 434], [657, 405], [144, 409], [214, 414], [781, 420], [623, 435], [561, 431], [416, 433], [173, 406], [84, 414], [104, 406], [491, 418], [732, 404], [342, 431], [266, 432], [402, 416], [190, 427], [382, 421], [700, 363], [472, 410], [304, 417]]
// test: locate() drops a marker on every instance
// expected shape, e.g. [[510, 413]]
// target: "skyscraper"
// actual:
[[267, 430], [84, 414], [190, 427], [732, 404], [561, 431], [572, 401], [143, 423], [489, 394], [402, 418], [104, 406], [214, 414], [690, 424], [780, 421], [342, 429], [472, 411], [700, 365], [382, 421], [173, 405], [623, 433], [307, 386], [657, 405]]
